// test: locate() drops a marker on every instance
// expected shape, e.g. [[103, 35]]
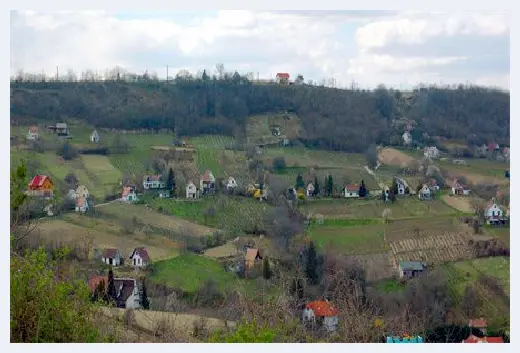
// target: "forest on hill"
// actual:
[[338, 119]]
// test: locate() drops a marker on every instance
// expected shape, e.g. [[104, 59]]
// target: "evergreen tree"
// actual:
[[311, 266], [395, 189], [330, 185], [267, 268], [362, 189], [145, 303], [205, 76], [300, 184], [170, 181], [111, 290], [316, 187]]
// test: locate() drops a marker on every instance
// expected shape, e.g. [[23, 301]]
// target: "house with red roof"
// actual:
[[153, 182], [475, 339], [282, 78], [457, 188], [128, 194], [32, 133], [41, 186], [479, 324], [207, 182], [128, 295], [140, 258], [321, 313], [112, 257], [351, 191]]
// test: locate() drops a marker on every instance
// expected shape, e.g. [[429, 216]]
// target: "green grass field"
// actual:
[[350, 240], [188, 272]]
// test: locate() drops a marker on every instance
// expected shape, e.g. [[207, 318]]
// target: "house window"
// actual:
[[135, 262], [110, 261]]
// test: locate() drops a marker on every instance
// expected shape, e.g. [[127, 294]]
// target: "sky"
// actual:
[[399, 49]]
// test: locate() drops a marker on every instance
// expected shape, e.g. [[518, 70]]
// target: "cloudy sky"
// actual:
[[399, 49]]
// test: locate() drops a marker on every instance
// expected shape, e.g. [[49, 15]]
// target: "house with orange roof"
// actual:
[[41, 186], [351, 191], [282, 78], [321, 313], [475, 339], [128, 194], [32, 133], [252, 258], [81, 204], [207, 182], [479, 324]]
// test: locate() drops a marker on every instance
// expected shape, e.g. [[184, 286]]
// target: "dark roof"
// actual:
[[411, 265], [110, 253], [126, 285], [142, 253]]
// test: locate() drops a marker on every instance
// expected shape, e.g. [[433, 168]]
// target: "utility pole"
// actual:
[[57, 74], [166, 73]]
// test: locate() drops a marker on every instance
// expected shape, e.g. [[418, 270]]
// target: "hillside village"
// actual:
[[205, 225]]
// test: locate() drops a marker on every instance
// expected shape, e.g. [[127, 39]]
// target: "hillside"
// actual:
[[336, 119]]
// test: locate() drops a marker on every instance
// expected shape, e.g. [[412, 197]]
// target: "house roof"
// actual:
[[142, 253], [208, 176], [38, 181], [81, 201], [310, 186], [494, 340], [81, 189], [492, 145], [127, 287], [458, 185], [110, 253], [94, 132], [251, 254], [190, 184], [282, 75], [95, 280], [322, 308], [61, 126], [491, 205], [127, 190], [33, 129], [152, 177], [475, 339], [411, 265], [506, 149], [478, 323], [352, 187]]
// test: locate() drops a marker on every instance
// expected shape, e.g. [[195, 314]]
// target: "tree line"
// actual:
[[336, 119]]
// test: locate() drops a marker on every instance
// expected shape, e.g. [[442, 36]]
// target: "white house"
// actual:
[[153, 182], [457, 188], [401, 186], [425, 193], [129, 194], [493, 213], [82, 191], [191, 191], [322, 310], [431, 152], [71, 195], [231, 183], [81, 204], [94, 137], [351, 191], [407, 138], [32, 133], [207, 182], [310, 190], [112, 257], [139, 257]]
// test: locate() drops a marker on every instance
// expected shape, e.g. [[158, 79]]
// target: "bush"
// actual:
[[67, 151], [279, 164]]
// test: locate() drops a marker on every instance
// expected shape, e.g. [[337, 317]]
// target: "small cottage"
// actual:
[[494, 214], [310, 190], [112, 257], [61, 129], [139, 257], [81, 204], [401, 186], [433, 185], [32, 133], [41, 186], [321, 313], [153, 182], [407, 138], [191, 190], [425, 193], [457, 188], [127, 292], [475, 339], [94, 137], [410, 269], [351, 191], [231, 183], [479, 324], [282, 78], [431, 152], [252, 258], [82, 191], [129, 194], [207, 182]]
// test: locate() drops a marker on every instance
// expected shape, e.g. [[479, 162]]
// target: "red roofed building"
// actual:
[[32, 133], [207, 182], [322, 313], [282, 78], [475, 339], [351, 191], [479, 324], [41, 185]]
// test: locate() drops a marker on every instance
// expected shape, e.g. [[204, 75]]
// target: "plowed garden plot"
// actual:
[[423, 227]]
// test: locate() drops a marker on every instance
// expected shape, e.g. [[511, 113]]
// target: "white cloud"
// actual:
[[345, 45]]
